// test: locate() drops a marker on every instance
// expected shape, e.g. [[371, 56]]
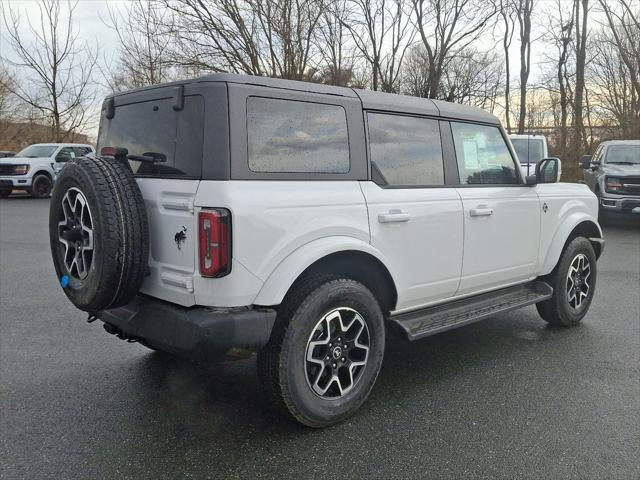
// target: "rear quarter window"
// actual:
[[291, 136], [155, 127]]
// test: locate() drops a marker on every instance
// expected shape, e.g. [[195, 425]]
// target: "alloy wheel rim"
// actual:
[[337, 353], [578, 281], [75, 232], [41, 187]]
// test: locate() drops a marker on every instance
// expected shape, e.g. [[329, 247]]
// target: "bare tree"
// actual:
[[625, 35], [258, 37], [471, 77], [617, 96], [334, 46], [560, 34], [7, 85], [54, 70], [447, 27], [143, 32], [524, 9], [581, 16], [381, 31], [507, 14]]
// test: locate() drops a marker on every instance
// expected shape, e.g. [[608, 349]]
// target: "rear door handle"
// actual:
[[394, 216], [481, 212]]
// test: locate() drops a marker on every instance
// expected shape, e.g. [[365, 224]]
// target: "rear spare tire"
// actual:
[[98, 233]]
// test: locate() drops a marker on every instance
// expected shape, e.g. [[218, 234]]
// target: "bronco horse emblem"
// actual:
[[180, 237]]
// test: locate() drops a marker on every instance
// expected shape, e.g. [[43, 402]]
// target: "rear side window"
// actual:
[[287, 136], [151, 129], [482, 154], [405, 150]]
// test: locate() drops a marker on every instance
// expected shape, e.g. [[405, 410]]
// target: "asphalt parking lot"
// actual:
[[508, 397]]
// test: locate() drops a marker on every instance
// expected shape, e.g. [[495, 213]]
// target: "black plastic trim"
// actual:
[[457, 313], [198, 334]]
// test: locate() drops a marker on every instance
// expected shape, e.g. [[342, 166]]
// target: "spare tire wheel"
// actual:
[[98, 233]]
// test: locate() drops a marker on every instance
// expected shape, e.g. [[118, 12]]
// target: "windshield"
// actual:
[[528, 150], [625, 154], [37, 151]]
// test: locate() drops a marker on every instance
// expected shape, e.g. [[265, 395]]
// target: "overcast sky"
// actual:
[[91, 17], [89, 20]]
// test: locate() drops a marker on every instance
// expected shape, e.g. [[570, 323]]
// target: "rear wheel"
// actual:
[[573, 282], [325, 352], [41, 186]]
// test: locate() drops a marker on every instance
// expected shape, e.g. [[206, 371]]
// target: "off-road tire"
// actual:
[[281, 364], [120, 232], [557, 311], [41, 186]]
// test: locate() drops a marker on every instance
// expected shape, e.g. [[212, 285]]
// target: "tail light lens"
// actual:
[[214, 235], [613, 185]]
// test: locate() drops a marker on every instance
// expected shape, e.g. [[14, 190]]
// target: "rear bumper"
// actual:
[[196, 333]]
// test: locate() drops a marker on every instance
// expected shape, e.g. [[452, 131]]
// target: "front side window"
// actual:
[[597, 157], [482, 154], [81, 151], [287, 136], [405, 150], [65, 154]]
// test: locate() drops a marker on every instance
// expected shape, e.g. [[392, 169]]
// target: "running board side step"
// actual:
[[431, 320]]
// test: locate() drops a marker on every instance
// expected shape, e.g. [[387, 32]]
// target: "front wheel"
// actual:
[[41, 186], [325, 352], [5, 193], [574, 284]]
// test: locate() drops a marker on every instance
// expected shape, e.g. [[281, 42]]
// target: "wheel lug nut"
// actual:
[[327, 357], [331, 344], [338, 339], [343, 359], [334, 365]]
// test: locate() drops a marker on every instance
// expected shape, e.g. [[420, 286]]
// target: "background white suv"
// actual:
[[34, 169], [530, 149]]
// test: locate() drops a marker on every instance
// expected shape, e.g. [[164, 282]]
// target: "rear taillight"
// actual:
[[214, 234]]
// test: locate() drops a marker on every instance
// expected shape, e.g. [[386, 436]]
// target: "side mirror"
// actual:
[[585, 161], [548, 170]]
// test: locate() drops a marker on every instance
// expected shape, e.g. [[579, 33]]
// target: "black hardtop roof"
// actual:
[[371, 100]]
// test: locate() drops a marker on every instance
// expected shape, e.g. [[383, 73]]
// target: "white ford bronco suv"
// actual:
[[34, 169], [300, 221]]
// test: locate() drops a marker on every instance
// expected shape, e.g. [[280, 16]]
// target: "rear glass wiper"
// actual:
[[150, 157]]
